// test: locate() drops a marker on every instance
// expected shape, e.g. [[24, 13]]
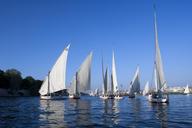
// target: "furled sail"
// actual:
[[105, 82], [57, 75], [135, 83], [84, 74], [114, 76]]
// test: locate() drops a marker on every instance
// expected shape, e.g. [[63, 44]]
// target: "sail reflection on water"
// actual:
[[161, 114], [81, 111], [52, 113], [111, 112]]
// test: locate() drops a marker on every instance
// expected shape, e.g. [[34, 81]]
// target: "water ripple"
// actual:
[[95, 112]]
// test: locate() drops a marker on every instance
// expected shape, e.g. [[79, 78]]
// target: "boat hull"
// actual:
[[53, 97], [131, 96], [107, 97], [153, 99], [74, 96], [104, 97], [118, 97]]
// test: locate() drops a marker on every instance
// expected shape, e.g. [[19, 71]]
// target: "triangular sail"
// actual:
[[146, 89], [161, 83], [135, 83], [74, 87], [96, 92], [57, 76], [114, 76], [186, 89], [84, 74]]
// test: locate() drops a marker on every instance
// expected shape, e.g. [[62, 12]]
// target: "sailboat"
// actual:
[[105, 85], [159, 95], [187, 91], [135, 85], [146, 89], [75, 94], [82, 80], [55, 80], [105, 82], [114, 83], [96, 92]]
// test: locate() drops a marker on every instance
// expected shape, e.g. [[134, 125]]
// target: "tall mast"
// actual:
[[106, 81], [102, 69], [112, 84], [48, 83]]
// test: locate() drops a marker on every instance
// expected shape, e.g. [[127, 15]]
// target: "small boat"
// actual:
[[55, 80], [187, 91], [134, 85], [131, 95], [105, 84], [49, 97], [159, 95], [75, 94], [96, 92], [82, 80], [104, 97], [118, 97], [146, 89]]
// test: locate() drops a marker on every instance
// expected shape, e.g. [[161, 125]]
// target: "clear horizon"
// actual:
[[33, 34]]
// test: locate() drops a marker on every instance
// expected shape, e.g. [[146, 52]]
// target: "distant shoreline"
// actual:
[[13, 84]]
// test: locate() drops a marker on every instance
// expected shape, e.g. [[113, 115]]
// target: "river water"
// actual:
[[27, 112]]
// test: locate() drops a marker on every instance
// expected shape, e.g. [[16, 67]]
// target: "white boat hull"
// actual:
[[107, 97], [118, 97], [158, 100], [104, 97], [53, 97]]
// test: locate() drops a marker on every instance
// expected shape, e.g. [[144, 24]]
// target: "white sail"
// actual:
[[74, 87], [155, 79], [57, 76], [187, 90], [84, 74], [96, 92], [159, 96], [146, 89], [44, 87], [135, 83], [161, 83], [114, 76]]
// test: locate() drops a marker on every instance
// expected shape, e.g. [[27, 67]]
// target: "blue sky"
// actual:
[[33, 33]]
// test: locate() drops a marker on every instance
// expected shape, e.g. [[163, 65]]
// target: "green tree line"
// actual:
[[12, 81]]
